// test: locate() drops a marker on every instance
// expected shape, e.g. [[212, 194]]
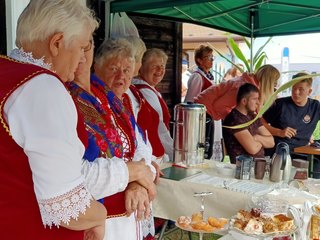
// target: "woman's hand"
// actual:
[[140, 172], [159, 173], [95, 233], [137, 199]]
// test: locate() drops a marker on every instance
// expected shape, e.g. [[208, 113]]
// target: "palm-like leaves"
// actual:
[[258, 59]]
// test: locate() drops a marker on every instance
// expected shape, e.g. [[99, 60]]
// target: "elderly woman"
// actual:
[[41, 145], [201, 78], [148, 120], [147, 117], [114, 65], [112, 176], [151, 73]]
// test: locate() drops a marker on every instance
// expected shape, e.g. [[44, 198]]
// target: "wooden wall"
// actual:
[[158, 33], [167, 36]]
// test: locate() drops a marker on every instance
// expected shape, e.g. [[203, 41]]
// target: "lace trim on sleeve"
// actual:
[[64, 207]]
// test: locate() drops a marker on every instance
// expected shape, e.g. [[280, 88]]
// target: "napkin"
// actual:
[[307, 213]]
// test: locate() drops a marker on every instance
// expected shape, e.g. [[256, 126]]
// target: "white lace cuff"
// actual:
[[63, 208]]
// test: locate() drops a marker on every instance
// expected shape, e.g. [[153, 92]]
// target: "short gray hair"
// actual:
[[139, 47], [154, 52], [113, 48], [43, 18]]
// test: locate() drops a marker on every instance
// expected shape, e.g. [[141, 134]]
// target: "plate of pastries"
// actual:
[[257, 224], [197, 223]]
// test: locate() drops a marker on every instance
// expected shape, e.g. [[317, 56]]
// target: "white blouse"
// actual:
[[163, 132], [195, 85], [144, 149], [42, 119]]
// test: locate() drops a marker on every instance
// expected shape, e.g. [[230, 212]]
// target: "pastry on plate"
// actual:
[[196, 217], [202, 226], [270, 226], [284, 222], [184, 221], [244, 215], [217, 222], [254, 226]]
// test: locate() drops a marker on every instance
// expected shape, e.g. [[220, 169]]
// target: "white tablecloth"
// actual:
[[175, 198]]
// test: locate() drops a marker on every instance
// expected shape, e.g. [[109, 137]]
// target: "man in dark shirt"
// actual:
[[294, 119], [249, 140]]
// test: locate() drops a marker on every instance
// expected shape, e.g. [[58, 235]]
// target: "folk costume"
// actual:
[[40, 152], [197, 83], [142, 110], [154, 98], [148, 120], [114, 139]]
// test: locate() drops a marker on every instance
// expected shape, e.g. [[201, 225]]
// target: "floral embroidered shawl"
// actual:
[[104, 140]]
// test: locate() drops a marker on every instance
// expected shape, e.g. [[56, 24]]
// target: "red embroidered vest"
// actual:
[[148, 120], [19, 211], [164, 107], [205, 82]]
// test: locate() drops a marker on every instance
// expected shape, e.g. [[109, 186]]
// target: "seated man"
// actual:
[[294, 119], [250, 140]]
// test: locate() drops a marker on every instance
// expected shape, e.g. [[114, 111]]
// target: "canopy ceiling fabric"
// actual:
[[270, 17]]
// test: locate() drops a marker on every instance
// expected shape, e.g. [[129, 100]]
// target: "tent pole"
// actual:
[[251, 38], [108, 19]]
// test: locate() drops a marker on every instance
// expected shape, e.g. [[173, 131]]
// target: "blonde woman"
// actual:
[[221, 99]]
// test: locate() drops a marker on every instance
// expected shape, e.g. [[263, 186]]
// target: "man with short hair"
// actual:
[[293, 119], [250, 140]]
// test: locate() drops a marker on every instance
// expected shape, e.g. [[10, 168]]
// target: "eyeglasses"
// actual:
[[210, 57], [89, 46]]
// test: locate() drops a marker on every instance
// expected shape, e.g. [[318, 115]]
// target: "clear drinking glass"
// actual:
[[268, 163]]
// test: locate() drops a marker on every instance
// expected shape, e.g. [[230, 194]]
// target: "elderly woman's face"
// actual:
[[117, 74], [206, 61], [153, 70], [68, 59], [85, 66]]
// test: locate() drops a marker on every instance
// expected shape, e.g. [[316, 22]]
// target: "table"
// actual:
[[175, 198], [310, 151]]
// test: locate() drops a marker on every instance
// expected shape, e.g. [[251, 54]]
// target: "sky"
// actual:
[[303, 48]]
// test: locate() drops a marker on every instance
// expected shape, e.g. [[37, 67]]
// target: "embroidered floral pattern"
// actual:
[[63, 208], [21, 55], [110, 125], [104, 140]]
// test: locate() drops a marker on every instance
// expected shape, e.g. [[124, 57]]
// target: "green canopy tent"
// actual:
[[251, 18]]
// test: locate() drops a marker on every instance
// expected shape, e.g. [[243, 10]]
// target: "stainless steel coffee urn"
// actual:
[[189, 133], [281, 163]]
